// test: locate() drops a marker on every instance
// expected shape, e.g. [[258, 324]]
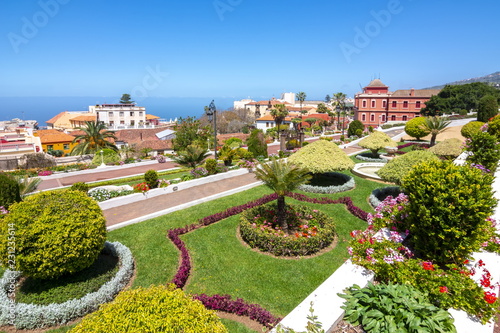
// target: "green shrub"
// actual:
[[397, 168], [9, 190], [211, 166], [447, 210], [151, 178], [57, 233], [485, 150], [80, 187], [312, 230], [471, 128], [153, 309], [353, 128], [257, 143], [109, 156], [376, 141], [237, 141], [394, 308], [449, 148], [56, 153], [415, 128], [359, 132], [494, 126], [292, 144]]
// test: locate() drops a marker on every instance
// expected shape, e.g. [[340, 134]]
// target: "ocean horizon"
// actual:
[[42, 109]]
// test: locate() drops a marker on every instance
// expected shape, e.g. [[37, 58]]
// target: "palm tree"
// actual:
[[301, 96], [339, 99], [279, 113], [27, 185], [126, 150], [281, 177], [435, 125], [191, 157], [96, 138]]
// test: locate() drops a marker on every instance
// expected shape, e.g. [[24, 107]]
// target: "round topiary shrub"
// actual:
[[56, 233], [415, 128], [9, 190], [470, 129], [397, 168], [151, 178], [376, 141], [448, 149], [153, 309], [309, 230], [448, 210]]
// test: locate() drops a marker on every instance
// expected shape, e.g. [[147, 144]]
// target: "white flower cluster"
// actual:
[[32, 316]]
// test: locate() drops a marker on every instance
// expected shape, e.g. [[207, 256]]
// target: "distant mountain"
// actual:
[[491, 78]]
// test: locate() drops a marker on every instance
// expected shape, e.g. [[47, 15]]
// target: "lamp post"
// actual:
[[338, 116], [211, 113], [102, 160]]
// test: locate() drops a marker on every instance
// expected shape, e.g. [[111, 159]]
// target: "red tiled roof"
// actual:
[[84, 118], [53, 136], [54, 119], [423, 93]]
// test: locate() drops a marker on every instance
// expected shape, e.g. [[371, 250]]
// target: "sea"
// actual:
[[42, 109]]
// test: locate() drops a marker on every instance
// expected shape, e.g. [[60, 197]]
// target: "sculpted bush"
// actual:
[[321, 156], [376, 141], [449, 148], [56, 233], [415, 128], [397, 168], [153, 309], [470, 129]]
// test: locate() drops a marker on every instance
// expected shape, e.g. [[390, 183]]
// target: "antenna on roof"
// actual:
[[379, 76], [360, 86]]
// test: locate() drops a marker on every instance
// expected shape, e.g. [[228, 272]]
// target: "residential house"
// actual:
[[52, 139], [158, 139]]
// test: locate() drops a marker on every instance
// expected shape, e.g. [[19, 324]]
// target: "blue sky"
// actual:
[[240, 48]]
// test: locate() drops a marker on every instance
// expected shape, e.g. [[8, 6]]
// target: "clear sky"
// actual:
[[241, 48]]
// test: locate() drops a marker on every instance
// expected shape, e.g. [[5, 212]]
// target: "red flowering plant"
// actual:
[[141, 187], [380, 248]]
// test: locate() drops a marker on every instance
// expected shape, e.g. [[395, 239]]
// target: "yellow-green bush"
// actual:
[[397, 168], [55, 233], [376, 141], [153, 309], [449, 148], [322, 156], [471, 128], [415, 128]]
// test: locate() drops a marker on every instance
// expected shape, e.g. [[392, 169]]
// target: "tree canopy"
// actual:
[[126, 99], [487, 108], [322, 156], [279, 113], [189, 131], [376, 141], [95, 137], [453, 98]]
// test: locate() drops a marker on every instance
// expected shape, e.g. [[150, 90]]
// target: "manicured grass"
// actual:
[[43, 292], [167, 175], [224, 265]]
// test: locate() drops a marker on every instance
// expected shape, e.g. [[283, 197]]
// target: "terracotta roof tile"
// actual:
[[417, 93], [53, 136], [84, 118]]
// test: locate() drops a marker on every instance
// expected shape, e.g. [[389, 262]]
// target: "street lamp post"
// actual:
[[211, 113]]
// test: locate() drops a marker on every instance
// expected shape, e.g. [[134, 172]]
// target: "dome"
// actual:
[[376, 83]]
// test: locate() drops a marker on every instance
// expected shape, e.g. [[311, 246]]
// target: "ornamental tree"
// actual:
[[322, 156], [414, 128], [448, 210], [376, 141]]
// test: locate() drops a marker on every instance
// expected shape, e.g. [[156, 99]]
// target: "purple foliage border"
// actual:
[[224, 302]]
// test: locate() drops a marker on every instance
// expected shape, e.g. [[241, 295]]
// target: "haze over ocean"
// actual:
[[42, 109]]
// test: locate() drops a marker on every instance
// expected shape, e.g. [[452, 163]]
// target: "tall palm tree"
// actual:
[[435, 125], [281, 177], [301, 96], [339, 99], [96, 137], [279, 113]]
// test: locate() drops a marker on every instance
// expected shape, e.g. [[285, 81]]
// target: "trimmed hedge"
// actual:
[[280, 244], [397, 168], [31, 316], [153, 309], [56, 233]]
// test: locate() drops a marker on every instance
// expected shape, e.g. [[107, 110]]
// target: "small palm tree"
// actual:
[[127, 150], [301, 96], [96, 137], [279, 113], [340, 103], [435, 125], [191, 157], [27, 185], [281, 177]]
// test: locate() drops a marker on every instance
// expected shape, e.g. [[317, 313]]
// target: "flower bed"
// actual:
[[348, 184], [367, 157], [309, 230], [31, 316]]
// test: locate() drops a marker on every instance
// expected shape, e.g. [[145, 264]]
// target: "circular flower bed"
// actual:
[[309, 230], [32, 316], [378, 195], [341, 183], [368, 157]]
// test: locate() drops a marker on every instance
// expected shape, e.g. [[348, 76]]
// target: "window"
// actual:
[[394, 104], [417, 105], [122, 122], [140, 113], [363, 117], [383, 118], [132, 123], [131, 113], [384, 104], [111, 123], [110, 114], [405, 118], [393, 118], [121, 113], [267, 124], [364, 104], [50, 147], [66, 146], [405, 105], [372, 117], [373, 103]]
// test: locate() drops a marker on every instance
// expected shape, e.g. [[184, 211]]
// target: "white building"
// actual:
[[117, 115]]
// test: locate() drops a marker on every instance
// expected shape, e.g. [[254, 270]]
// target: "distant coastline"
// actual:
[[42, 109]]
